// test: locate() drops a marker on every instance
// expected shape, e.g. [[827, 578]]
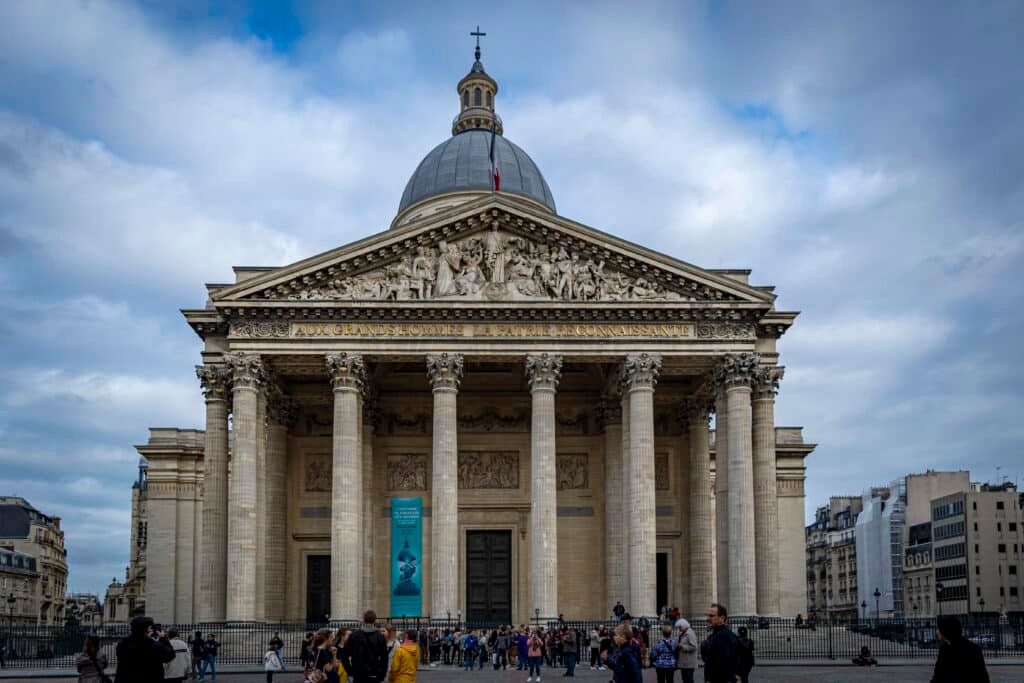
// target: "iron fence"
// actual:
[[774, 638]]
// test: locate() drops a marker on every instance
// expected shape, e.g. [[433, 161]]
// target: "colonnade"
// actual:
[[242, 579]]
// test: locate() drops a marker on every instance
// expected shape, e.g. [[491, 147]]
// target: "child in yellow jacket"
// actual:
[[407, 658]]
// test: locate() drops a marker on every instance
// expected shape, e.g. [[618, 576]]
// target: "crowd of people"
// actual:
[[376, 653]]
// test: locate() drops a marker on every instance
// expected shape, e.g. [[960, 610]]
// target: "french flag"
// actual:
[[495, 175]]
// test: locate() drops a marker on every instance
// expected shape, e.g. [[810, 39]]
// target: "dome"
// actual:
[[462, 163]]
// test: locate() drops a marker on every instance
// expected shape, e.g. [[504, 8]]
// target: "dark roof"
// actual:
[[14, 521], [463, 163]]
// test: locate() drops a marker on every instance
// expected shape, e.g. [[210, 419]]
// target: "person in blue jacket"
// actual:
[[625, 660]]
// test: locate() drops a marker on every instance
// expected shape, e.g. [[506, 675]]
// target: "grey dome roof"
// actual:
[[463, 163]]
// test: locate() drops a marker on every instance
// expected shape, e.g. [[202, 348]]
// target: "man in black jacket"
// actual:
[[140, 657], [719, 651], [959, 660], [366, 652]]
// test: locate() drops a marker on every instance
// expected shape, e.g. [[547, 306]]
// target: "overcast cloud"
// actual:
[[865, 158]]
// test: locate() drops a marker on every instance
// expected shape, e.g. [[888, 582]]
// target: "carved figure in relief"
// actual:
[[318, 473], [471, 280], [423, 270], [521, 276], [564, 265], [496, 254], [448, 264]]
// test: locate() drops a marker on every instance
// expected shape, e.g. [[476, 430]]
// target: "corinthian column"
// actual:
[[445, 372], [624, 511], [281, 416], [247, 380], [543, 372], [614, 550], [694, 416], [735, 374], [721, 502], [213, 569], [346, 373], [639, 375], [766, 504]]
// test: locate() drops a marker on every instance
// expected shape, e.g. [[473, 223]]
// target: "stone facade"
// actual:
[[524, 375], [23, 529], [123, 598]]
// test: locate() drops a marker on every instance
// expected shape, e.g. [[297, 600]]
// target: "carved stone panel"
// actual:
[[491, 419], [407, 472], [318, 472], [661, 472], [573, 471], [488, 469]]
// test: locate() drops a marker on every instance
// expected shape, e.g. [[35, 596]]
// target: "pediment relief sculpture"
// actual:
[[494, 264]]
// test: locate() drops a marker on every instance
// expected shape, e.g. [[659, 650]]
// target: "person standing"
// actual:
[[618, 611], [91, 662], [569, 650], [469, 650], [211, 648], [196, 648], [719, 650], [142, 655], [271, 663], [959, 659], [177, 669], [534, 651], [304, 652], [663, 656], [745, 652], [595, 648], [687, 642], [624, 661], [366, 654], [277, 645], [403, 666], [523, 649]]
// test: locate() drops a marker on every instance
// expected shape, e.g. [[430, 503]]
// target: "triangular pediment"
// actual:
[[493, 249]]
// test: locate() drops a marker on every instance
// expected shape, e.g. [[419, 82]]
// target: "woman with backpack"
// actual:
[[664, 654]]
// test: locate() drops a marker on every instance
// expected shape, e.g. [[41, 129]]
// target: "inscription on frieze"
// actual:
[[488, 469], [573, 471], [318, 472], [407, 472], [492, 330]]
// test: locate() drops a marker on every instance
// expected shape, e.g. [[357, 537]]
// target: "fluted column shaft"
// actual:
[[212, 599], [261, 502], [544, 372], [722, 499], [445, 372], [640, 374], [281, 414], [242, 526], [614, 550], [369, 423], [700, 525], [736, 374], [766, 504], [347, 374], [627, 505]]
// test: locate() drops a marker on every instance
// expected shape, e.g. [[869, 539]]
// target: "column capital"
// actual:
[[609, 412], [736, 370], [640, 371], [695, 411], [766, 381], [544, 371], [247, 371], [444, 371], [346, 370], [215, 381]]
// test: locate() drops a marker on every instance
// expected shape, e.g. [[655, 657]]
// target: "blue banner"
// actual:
[[406, 557]]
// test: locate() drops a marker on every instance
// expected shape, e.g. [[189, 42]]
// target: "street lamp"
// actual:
[[877, 595], [981, 605], [536, 616], [938, 596], [11, 602], [863, 609]]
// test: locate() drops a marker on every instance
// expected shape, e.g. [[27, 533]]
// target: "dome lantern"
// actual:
[[477, 93]]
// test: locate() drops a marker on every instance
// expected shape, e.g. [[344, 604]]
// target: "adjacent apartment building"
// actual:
[[19, 581], [832, 558], [27, 531], [977, 546]]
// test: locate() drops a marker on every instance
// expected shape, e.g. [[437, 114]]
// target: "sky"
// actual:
[[865, 158]]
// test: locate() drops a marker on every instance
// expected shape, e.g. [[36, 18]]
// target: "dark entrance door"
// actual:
[[489, 576], [662, 569], [318, 588]]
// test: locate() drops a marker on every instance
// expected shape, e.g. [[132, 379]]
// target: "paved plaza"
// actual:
[[768, 674]]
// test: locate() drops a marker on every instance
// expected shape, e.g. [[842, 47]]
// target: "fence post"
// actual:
[[831, 654]]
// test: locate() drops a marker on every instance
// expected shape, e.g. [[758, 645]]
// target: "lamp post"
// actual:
[[11, 602], [863, 610], [536, 616], [878, 612], [938, 596]]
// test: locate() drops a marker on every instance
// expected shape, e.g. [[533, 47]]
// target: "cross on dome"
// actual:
[[478, 34]]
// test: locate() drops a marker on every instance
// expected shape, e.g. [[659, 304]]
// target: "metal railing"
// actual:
[[42, 647]]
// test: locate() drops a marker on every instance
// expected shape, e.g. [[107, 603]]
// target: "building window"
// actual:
[[1002, 547], [488, 99], [1013, 591], [1013, 526], [974, 505], [476, 97], [1002, 592], [977, 570], [975, 526], [999, 505], [465, 99], [1013, 569]]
